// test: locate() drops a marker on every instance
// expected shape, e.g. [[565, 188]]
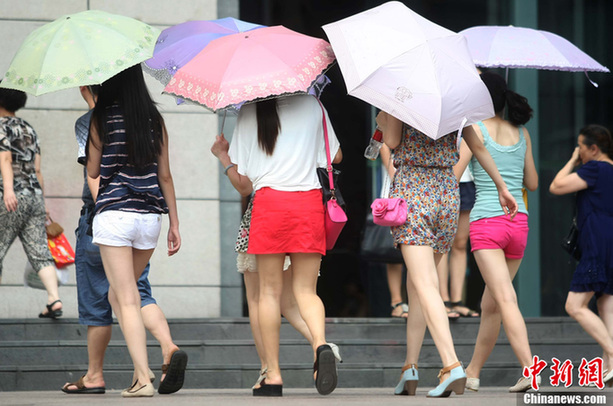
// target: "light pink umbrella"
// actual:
[[250, 66]]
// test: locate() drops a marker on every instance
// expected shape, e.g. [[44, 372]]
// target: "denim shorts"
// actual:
[[467, 196], [92, 285], [127, 229]]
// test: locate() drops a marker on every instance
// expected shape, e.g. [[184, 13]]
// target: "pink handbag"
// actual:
[[389, 211], [335, 218]]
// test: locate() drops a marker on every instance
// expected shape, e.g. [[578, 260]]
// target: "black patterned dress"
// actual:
[[28, 222]]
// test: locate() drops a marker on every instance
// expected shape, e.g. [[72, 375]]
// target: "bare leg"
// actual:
[[416, 326], [457, 261], [156, 323], [442, 269], [605, 310], [98, 338], [489, 329], [48, 277], [497, 272], [577, 308], [270, 270], [394, 282], [123, 266], [306, 269], [421, 268], [252, 289], [289, 307]]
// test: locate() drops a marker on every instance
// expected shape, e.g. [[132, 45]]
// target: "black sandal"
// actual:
[[268, 390], [51, 314], [405, 310], [451, 314], [325, 367], [468, 313]]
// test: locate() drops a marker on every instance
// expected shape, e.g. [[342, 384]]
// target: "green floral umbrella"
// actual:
[[81, 49]]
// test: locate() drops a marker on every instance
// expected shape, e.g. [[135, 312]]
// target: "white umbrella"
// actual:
[[411, 68]]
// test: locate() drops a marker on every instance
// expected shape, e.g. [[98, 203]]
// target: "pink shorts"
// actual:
[[502, 233]]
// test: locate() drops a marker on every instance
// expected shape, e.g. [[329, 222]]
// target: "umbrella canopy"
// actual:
[[262, 63], [518, 47], [81, 49], [411, 68], [178, 44]]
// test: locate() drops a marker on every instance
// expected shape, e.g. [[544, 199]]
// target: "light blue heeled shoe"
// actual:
[[454, 383], [408, 381]]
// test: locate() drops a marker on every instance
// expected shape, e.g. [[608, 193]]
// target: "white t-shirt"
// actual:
[[299, 150], [467, 175]]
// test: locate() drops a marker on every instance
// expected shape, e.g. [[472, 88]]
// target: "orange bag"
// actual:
[[61, 251]]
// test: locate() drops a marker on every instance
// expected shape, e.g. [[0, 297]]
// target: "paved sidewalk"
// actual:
[[491, 396]]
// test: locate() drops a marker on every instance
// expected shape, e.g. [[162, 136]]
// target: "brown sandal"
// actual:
[[80, 385]]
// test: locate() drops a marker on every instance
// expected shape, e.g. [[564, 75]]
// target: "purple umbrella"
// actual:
[[178, 44], [518, 47]]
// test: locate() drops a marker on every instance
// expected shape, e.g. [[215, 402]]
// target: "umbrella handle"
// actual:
[[464, 121], [223, 121], [591, 81]]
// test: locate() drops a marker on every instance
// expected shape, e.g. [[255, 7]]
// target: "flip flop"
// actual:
[[451, 314], [175, 373], [468, 313], [81, 389]]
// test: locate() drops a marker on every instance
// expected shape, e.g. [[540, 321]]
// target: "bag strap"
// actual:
[[329, 161], [387, 180]]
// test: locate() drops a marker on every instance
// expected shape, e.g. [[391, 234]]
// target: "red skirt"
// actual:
[[286, 222]]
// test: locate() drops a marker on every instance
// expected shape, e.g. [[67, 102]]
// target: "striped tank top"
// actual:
[[125, 187]]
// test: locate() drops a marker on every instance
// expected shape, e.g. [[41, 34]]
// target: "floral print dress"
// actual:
[[425, 180]]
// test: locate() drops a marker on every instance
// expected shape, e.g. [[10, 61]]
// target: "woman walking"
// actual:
[[498, 242], [22, 212], [129, 177], [276, 147], [593, 182], [425, 180]]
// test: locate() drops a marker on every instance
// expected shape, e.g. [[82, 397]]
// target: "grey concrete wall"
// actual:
[[188, 284]]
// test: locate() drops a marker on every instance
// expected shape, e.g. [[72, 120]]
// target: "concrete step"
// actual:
[[43, 354], [238, 352], [220, 329]]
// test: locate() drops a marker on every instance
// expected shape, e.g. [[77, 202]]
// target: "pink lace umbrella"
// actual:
[[255, 65], [518, 47]]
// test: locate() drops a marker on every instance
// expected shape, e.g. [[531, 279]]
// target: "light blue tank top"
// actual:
[[509, 160]]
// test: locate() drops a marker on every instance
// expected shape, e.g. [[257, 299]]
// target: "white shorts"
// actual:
[[126, 229]]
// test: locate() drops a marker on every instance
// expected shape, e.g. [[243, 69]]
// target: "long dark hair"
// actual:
[[268, 124], [143, 121], [519, 111], [600, 136]]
